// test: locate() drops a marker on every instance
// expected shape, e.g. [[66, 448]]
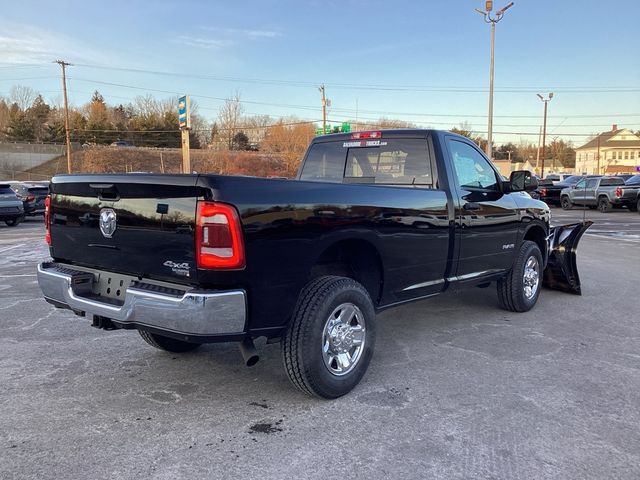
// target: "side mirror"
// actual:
[[523, 181]]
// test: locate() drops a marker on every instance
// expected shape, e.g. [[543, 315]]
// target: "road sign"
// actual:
[[184, 115]]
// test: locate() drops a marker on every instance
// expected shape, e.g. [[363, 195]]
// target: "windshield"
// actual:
[[573, 179], [635, 180]]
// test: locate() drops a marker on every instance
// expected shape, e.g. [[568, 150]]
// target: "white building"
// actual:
[[612, 152]]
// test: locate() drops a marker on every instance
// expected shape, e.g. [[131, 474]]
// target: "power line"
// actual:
[[27, 78], [347, 110], [239, 128], [365, 86]]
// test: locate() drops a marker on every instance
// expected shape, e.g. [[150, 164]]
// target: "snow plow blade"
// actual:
[[562, 270]]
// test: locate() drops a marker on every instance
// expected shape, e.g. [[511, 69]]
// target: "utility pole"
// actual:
[[324, 109], [63, 65], [544, 128], [598, 156], [492, 20]]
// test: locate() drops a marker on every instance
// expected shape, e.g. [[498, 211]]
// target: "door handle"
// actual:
[[471, 206]]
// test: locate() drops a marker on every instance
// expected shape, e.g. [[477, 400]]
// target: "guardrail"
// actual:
[[20, 175]]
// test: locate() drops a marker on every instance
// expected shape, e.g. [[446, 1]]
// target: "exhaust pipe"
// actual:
[[249, 353]]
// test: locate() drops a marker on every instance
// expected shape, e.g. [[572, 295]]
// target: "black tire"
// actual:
[[13, 221], [302, 345], [565, 203], [604, 205], [511, 289], [638, 206], [167, 344]]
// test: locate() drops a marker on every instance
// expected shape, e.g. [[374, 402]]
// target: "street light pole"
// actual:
[[544, 129], [492, 20]]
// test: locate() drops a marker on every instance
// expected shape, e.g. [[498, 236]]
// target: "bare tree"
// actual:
[[229, 118], [22, 96], [288, 143]]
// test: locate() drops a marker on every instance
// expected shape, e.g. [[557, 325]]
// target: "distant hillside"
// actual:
[[116, 160]]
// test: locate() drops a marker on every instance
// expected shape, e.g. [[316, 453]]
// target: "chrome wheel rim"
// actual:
[[531, 277], [343, 339]]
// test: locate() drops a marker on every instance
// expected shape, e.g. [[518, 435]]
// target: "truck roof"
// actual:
[[385, 133]]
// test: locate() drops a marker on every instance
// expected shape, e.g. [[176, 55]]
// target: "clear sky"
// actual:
[[423, 61]]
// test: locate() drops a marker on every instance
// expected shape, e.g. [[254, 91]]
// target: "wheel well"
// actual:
[[357, 259], [536, 234]]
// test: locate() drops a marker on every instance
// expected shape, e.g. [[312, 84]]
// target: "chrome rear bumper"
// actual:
[[179, 311]]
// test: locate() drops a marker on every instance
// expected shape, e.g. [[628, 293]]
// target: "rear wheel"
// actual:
[[604, 205], [167, 343], [329, 342], [519, 290], [565, 203], [638, 206]]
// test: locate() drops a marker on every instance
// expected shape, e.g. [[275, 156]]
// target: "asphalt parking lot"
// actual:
[[457, 388]]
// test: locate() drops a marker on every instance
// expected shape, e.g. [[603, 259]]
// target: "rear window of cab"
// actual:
[[372, 161]]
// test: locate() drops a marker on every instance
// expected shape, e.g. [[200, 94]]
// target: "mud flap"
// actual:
[[562, 270]]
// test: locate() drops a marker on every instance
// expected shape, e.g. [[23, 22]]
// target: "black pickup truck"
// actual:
[[374, 220]]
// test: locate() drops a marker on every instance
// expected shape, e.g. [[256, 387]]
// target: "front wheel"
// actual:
[[519, 290], [604, 205], [167, 344], [329, 342], [13, 221], [565, 203]]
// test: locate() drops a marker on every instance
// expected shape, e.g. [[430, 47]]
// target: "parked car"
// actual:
[[549, 192], [374, 220], [630, 193], [11, 208], [120, 143], [625, 176], [557, 177], [603, 193], [32, 196]]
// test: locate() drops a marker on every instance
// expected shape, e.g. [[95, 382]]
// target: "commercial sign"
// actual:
[[184, 117]]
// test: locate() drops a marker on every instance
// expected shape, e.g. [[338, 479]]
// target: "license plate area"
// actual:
[[112, 285]]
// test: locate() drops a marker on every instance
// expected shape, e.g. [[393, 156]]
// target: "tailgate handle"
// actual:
[[106, 191]]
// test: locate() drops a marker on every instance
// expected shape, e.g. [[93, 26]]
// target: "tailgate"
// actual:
[[141, 225]]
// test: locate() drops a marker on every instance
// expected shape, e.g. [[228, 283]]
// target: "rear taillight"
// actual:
[[618, 192], [543, 192], [29, 198], [218, 237], [47, 219]]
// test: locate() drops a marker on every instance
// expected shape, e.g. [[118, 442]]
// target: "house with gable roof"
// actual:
[[613, 152]]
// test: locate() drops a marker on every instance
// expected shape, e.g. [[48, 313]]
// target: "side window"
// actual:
[[581, 184], [324, 163], [591, 183], [472, 169]]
